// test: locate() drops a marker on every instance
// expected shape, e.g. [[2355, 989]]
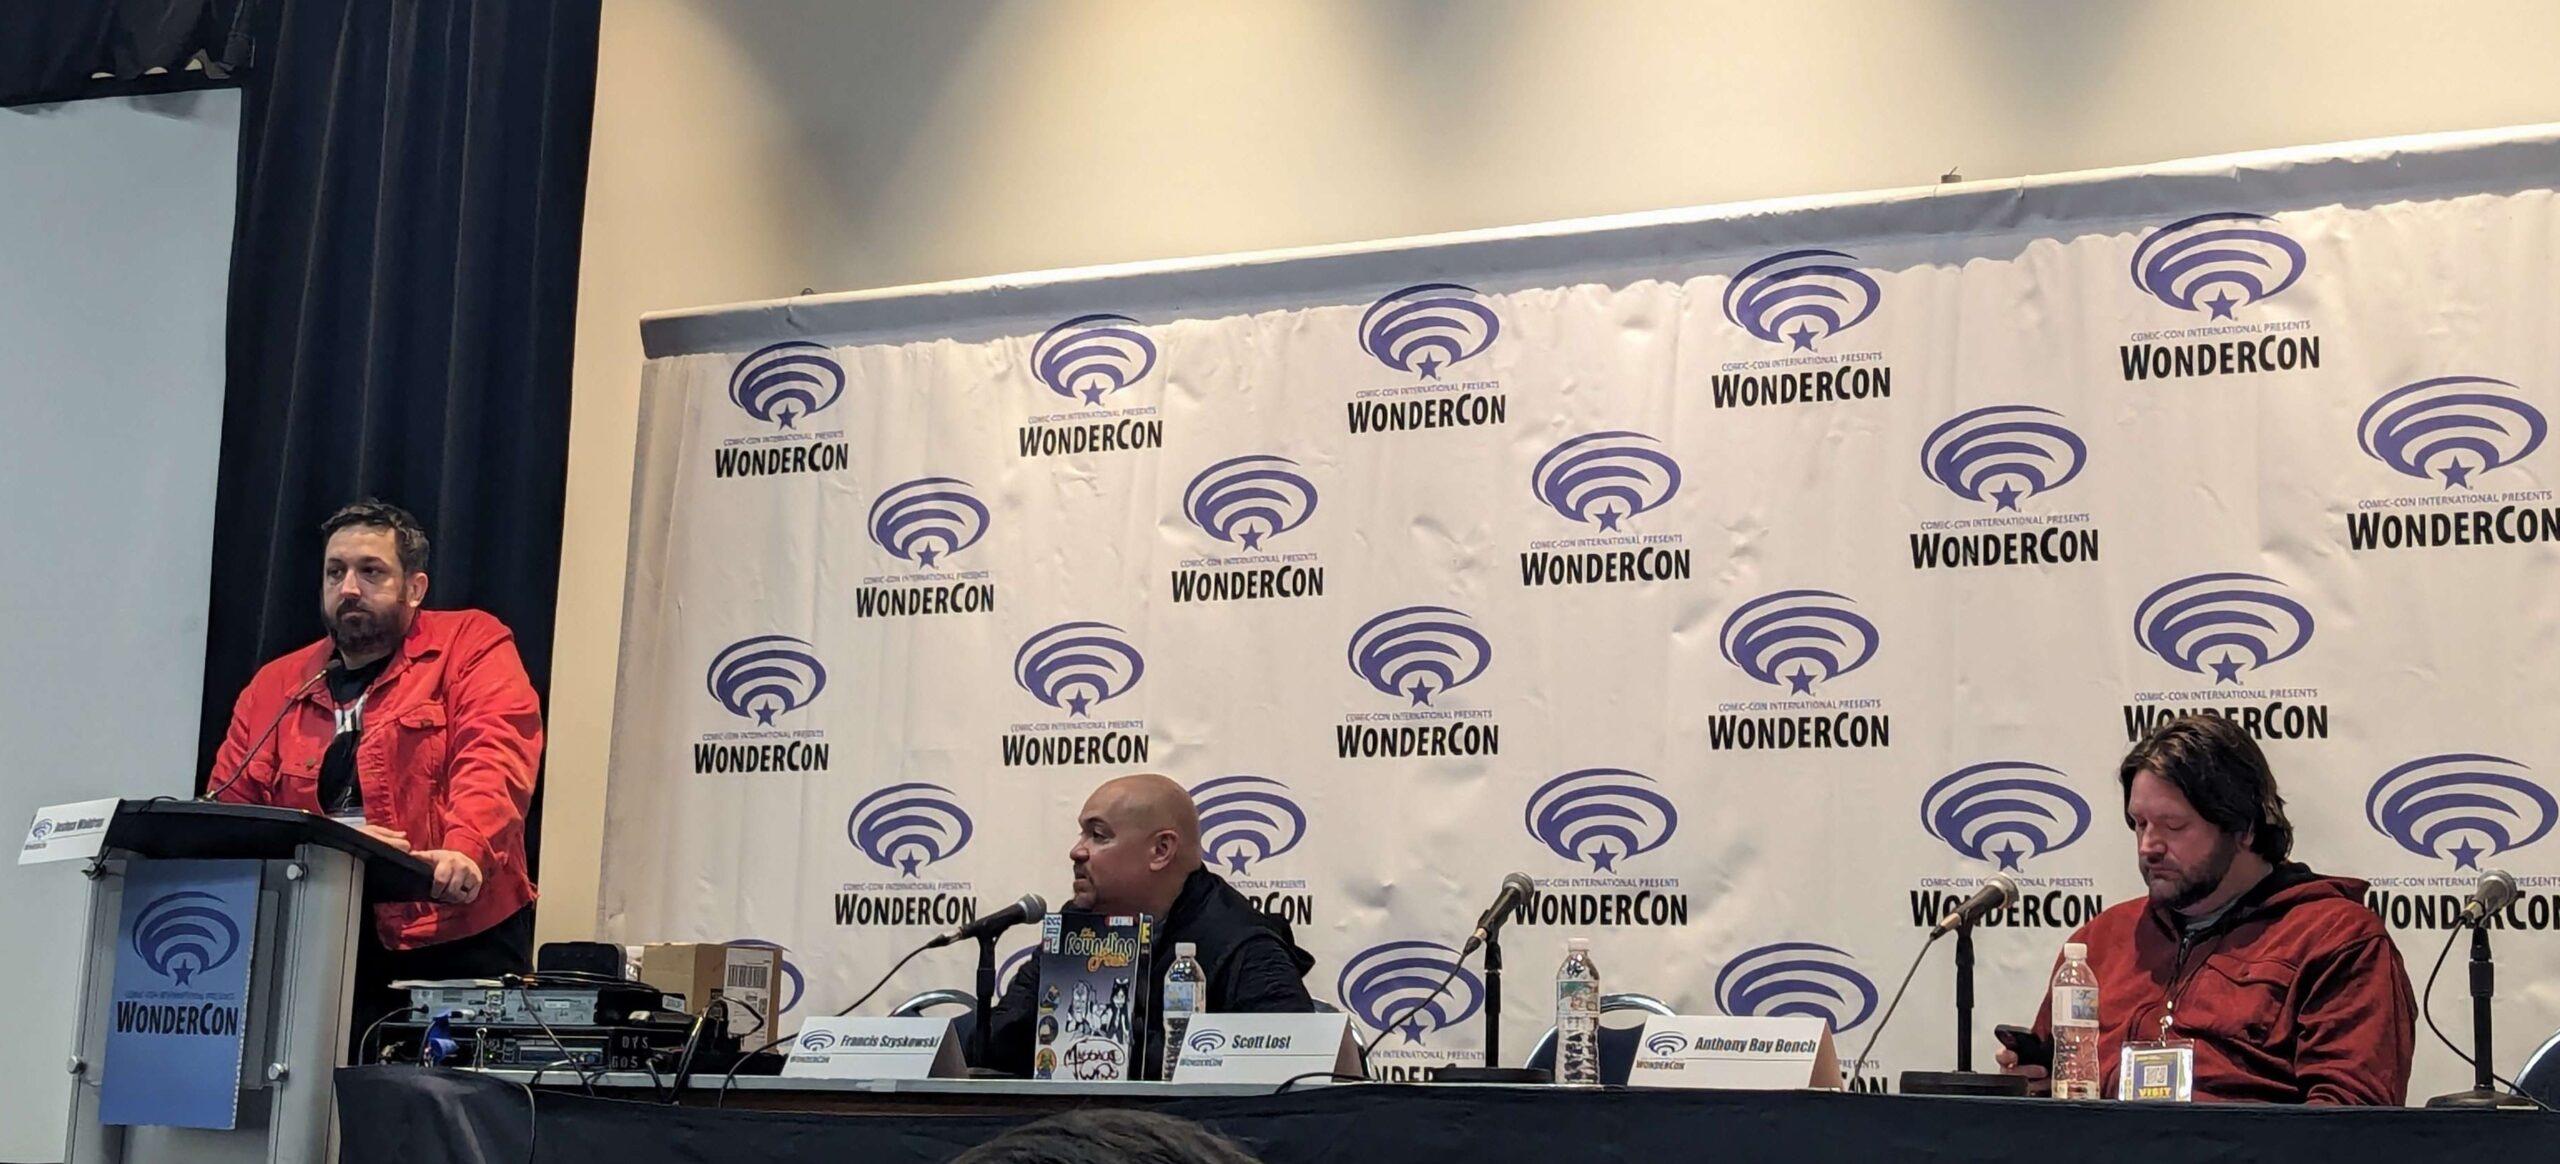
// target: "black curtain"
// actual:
[[68, 50], [403, 280]]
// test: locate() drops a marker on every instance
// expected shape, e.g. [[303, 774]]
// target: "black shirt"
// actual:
[[340, 793]]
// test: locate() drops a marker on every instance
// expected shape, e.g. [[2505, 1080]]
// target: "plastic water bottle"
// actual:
[[2075, 1026], [1578, 1016], [1182, 999]]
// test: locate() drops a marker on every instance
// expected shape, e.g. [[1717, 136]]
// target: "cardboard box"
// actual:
[[703, 971]]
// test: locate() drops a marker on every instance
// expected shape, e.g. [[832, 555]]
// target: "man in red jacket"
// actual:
[[2287, 985], [418, 726]]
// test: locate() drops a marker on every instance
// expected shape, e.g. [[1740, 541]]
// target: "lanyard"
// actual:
[[2179, 978]]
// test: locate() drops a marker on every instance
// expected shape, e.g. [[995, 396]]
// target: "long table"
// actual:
[[417, 1115]]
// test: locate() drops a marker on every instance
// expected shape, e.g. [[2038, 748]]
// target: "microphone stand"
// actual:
[[1492, 1071], [1964, 997], [1964, 1080], [986, 1008], [2484, 1091]]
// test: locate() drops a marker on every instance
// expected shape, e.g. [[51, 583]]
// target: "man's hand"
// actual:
[[457, 877], [2039, 1080], [392, 837]]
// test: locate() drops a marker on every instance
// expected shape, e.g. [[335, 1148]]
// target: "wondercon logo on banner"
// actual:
[[2482, 804], [1798, 638], [781, 383], [1208, 1042], [1091, 356], [1605, 476], [1600, 815], [817, 1041], [1419, 651], [1427, 327], [1013, 963], [183, 934], [2011, 446], [1249, 498], [1797, 978], [1244, 819], [765, 676], [1074, 665], [908, 826], [2450, 427], [794, 984], [1664, 1044], [921, 520], [1382, 981], [2226, 622], [1800, 297], [2217, 262], [2025, 808]]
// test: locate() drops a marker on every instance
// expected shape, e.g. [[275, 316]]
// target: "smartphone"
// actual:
[[2023, 1042]]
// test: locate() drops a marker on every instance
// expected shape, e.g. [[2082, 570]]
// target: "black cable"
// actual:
[[1329, 1076], [693, 1043], [568, 1058], [730, 1080], [243, 766], [1454, 970], [532, 1122], [365, 1043], [1860, 1066], [2426, 1009]]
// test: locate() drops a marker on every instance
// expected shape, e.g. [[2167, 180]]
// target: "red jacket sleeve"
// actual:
[[496, 740], [2358, 1025]]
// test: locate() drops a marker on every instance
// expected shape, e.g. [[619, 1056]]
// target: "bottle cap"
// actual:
[[1185, 950], [1578, 945], [2075, 951]]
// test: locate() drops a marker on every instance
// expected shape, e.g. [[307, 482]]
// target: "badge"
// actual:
[[2165, 1070]]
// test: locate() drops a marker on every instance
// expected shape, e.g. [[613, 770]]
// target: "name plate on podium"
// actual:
[[67, 832], [874, 1048], [1744, 1054], [1265, 1048]]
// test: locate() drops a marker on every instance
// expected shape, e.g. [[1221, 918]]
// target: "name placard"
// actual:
[[875, 1048], [67, 832], [1725, 1051], [1265, 1048]]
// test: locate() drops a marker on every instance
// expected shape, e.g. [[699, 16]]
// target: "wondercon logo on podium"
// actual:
[[781, 383], [1249, 498], [2450, 427], [1427, 327], [2011, 446], [1605, 477], [43, 828], [1419, 651], [2217, 262], [1600, 815], [1796, 978], [1074, 665], [1664, 1044], [817, 1041], [1092, 356], [765, 676], [2483, 805], [183, 934], [1208, 1042], [1797, 638], [922, 520], [1382, 981], [1244, 819], [2005, 810], [1800, 297], [908, 826], [2227, 622]]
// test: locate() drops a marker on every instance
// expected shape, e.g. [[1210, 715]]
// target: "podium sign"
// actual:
[[874, 1048], [180, 1001], [1726, 1051], [1264, 1048], [67, 832]]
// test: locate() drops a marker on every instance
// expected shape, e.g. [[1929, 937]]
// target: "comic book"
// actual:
[[1093, 988]]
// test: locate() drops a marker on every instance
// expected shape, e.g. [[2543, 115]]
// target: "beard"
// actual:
[[2194, 883], [359, 629]]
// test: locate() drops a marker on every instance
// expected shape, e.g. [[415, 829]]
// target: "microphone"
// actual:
[[1031, 906], [1516, 888], [1999, 891], [2497, 890], [263, 737]]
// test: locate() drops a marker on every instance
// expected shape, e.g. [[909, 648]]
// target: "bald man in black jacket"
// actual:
[[1137, 851]]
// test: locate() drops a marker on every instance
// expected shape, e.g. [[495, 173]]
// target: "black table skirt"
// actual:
[[419, 1116]]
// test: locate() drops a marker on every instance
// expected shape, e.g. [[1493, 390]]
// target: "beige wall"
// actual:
[[747, 149]]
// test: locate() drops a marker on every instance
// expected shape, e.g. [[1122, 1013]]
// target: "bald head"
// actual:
[[1137, 839]]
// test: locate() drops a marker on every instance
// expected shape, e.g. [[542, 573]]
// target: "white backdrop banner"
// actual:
[[1757, 579]]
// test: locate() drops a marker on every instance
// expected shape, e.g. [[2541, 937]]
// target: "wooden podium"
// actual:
[[310, 877]]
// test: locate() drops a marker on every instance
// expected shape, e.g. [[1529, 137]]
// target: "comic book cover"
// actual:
[[1093, 983]]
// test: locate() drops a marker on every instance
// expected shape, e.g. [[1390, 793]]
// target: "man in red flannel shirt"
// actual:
[[2288, 986], [421, 728]]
